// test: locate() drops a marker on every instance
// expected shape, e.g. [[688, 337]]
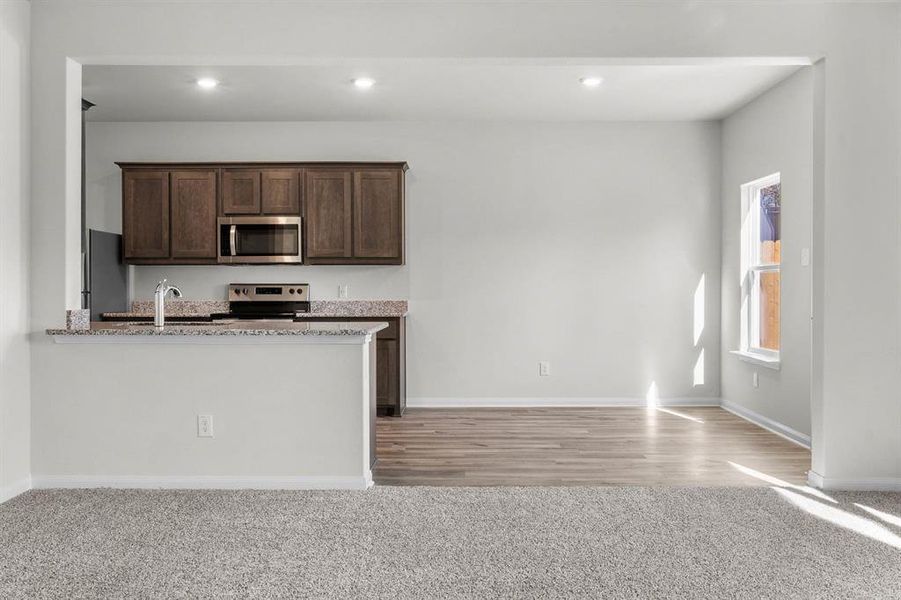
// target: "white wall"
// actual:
[[294, 413], [581, 244], [15, 396], [774, 133], [856, 415]]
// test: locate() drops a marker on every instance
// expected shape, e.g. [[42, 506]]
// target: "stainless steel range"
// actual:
[[266, 301]]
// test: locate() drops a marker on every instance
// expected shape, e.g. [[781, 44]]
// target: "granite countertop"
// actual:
[[356, 308], [227, 328], [318, 309]]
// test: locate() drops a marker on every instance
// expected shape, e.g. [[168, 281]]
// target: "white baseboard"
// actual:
[[8, 492], [536, 402], [873, 484], [767, 423], [815, 479], [204, 482]]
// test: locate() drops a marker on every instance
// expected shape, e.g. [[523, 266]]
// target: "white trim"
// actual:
[[752, 267], [870, 484], [268, 60], [529, 402], [368, 399], [205, 482], [792, 435], [766, 268], [8, 492], [757, 359], [814, 479], [209, 339]]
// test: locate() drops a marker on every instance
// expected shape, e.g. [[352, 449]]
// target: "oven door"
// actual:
[[259, 240]]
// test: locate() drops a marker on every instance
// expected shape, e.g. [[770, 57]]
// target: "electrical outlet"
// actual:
[[805, 257], [342, 290], [205, 426], [544, 368], [755, 379]]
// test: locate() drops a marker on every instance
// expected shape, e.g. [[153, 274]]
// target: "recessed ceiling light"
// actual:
[[207, 83], [364, 83], [591, 82]]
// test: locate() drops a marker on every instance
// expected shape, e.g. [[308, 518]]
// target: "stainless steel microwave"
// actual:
[[260, 240]]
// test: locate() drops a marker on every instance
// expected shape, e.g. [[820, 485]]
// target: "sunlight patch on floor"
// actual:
[[884, 516], [775, 481], [822, 506], [679, 414], [840, 517]]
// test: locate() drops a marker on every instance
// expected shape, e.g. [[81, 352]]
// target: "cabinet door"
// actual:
[[386, 373], [240, 192], [378, 219], [194, 214], [145, 214], [327, 207], [280, 195]]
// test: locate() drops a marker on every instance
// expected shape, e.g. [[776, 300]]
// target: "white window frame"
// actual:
[[751, 269]]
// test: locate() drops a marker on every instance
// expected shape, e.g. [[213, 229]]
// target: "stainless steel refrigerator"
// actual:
[[107, 275]]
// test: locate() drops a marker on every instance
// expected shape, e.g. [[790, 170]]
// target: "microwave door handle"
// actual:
[[233, 239]]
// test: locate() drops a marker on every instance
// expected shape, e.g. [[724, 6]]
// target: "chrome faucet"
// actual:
[[159, 301]]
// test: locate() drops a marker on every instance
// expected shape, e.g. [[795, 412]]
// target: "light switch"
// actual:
[[205, 426], [805, 257]]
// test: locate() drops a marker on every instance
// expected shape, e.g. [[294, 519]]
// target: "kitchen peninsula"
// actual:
[[391, 393], [238, 404]]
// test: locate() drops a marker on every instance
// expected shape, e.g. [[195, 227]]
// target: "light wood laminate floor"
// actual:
[[582, 446]]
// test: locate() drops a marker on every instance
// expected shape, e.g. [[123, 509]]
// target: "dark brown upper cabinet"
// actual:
[[169, 217], [328, 214], [353, 213], [241, 192], [378, 220], [193, 218], [145, 214], [354, 216], [260, 191], [280, 192]]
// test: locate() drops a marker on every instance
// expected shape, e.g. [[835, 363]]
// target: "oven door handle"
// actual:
[[233, 240]]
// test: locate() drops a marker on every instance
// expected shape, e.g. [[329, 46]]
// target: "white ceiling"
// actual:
[[419, 91]]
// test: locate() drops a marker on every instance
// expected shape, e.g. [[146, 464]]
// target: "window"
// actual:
[[761, 269]]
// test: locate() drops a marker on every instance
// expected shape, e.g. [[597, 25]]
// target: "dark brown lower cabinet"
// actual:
[[386, 384], [391, 364]]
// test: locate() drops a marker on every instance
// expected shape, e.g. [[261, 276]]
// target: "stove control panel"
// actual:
[[268, 292]]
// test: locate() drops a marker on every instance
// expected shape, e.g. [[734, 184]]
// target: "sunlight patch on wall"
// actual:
[[699, 369], [699, 308], [652, 397]]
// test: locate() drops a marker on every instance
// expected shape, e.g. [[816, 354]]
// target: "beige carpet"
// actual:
[[451, 543]]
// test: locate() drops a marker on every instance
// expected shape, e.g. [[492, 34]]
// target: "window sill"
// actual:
[[757, 359]]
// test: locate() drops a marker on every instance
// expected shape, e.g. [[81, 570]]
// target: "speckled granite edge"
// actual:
[[231, 329], [357, 308], [318, 308], [78, 319], [175, 308]]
